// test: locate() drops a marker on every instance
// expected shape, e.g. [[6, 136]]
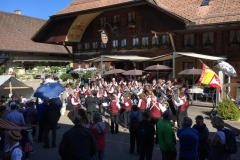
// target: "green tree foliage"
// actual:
[[86, 75], [228, 110], [65, 76], [54, 68], [2, 69]]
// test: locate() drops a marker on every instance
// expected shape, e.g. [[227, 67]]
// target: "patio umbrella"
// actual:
[[133, 72], [114, 71], [157, 67], [49, 90], [226, 68], [93, 76], [191, 71]]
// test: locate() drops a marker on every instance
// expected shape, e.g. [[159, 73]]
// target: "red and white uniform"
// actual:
[[142, 104], [110, 90], [102, 92], [114, 106], [182, 103], [156, 109], [75, 101], [127, 103], [95, 88], [134, 83]]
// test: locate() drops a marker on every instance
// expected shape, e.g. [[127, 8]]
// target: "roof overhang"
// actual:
[[185, 54], [65, 29], [117, 58]]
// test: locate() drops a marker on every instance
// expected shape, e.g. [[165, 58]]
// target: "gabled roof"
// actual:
[[16, 32], [82, 5], [217, 10]]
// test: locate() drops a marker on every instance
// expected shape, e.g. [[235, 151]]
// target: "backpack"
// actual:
[[143, 134], [134, 123], [231, 144]]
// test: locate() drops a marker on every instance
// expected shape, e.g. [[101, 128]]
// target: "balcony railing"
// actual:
[[41, 58]]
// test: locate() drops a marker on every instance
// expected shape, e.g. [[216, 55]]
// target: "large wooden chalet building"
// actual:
[[147, 28]]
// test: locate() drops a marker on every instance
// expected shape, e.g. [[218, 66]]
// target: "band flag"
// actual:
[[210, 78]]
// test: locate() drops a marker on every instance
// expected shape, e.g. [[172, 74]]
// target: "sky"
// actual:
[[34, 8]]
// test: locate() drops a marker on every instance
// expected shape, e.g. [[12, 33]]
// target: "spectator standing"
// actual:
[[166, 135], [145, 136], [203, 146], [188, 138], [43, 76], [50, 117], [77, 143], [30, 116], [75, 101], [85, 120], [14, 116], [218, 142], [40, 109], [135, 117], [13, 149], [99, 130]]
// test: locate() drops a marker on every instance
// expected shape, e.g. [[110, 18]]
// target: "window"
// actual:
[[123, 43], [165, 40], [102, 21], [115, 43], [103, 45], [87, 46], [188, 40], [208, 39], [145, 41], [30, 54], [95, 45], [235, 37], [187, 65], [131, 18], [79, 46], [116, 19], [135, 41], [155, 40], [205, 3]]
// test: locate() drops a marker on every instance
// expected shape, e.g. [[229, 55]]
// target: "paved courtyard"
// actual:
[[118, 144]]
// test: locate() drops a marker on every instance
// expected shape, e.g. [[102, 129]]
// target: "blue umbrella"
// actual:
[[49, 90]]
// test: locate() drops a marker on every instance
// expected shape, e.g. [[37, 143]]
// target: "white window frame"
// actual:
[[189, 40], [144, 41], [87, 46], [123, 43], [95, 45], [115, 43], [135, 41], [155, 40]]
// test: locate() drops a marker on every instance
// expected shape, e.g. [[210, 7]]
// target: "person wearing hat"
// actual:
[[203, 131], [13, 149], [114, 83]]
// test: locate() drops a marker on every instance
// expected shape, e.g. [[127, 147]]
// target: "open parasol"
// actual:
[[134, 72], [226, 68], [114, 71], [192, 71], [157, 67]]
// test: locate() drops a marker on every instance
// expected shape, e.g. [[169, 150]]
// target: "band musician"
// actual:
[[169, 94], [181, 103]]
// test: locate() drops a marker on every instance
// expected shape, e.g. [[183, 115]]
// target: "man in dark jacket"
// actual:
[[203, 131], [51, 115], [145, 136], [77, 143], [90, 103]]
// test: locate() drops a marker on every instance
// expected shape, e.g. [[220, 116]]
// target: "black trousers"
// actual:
[[90, 115], [168, 155], [145, 151], [2, 136], [126, 118], [75, 111], [171, 106], [180, 117], [47, 129], [40, 131], [114, 122], [133, 141], [154, 121]]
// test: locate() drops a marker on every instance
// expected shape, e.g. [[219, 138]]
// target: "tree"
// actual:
[[65, 76]]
